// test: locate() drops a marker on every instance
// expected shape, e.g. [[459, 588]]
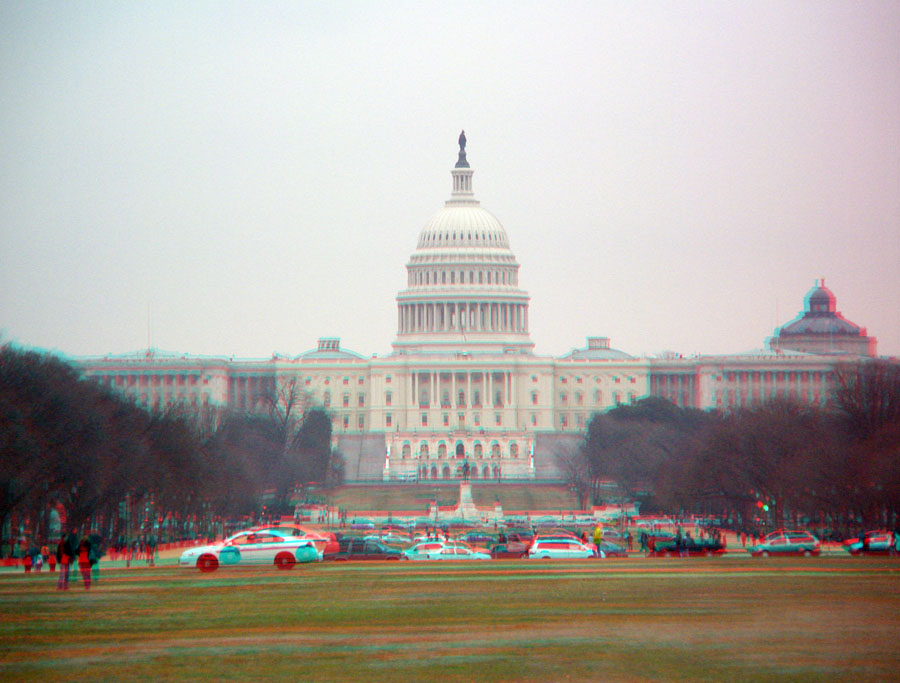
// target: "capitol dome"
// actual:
[[462, 281]]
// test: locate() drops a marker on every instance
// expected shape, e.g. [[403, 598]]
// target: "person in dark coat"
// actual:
[[65, 554], [84, 561]]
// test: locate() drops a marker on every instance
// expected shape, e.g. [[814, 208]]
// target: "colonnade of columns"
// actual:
[[497, 389], [472, 316]]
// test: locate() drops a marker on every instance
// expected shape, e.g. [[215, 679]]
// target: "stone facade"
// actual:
[[462, 383]]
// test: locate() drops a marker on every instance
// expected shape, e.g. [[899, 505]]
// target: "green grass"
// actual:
[[735, 619], [418, 496]]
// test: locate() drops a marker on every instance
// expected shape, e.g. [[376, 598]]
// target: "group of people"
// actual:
[[71, 551], [73, 555], [141, 548]]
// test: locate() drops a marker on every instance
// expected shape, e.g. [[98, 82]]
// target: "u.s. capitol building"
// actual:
[[463, 384]]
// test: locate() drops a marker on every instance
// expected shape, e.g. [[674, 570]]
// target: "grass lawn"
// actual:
[[418, 496], [734, 619]]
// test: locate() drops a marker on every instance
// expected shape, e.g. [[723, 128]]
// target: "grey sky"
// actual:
[[671, 175]]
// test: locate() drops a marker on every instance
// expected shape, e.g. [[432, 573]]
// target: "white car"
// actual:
[[389, 539], [252, 547], [438, 550], [558, 549]]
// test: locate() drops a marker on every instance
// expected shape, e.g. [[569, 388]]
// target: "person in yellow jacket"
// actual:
[[598, 534]]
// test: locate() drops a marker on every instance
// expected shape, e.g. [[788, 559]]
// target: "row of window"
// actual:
[[476, 399], [145, 380], [459, 450], [563, 379], [452, 277], [489, 238], [732, 398], [779, 376]]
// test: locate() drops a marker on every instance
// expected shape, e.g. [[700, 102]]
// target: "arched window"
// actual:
[[495, 450], [513, 450], [405, 451], [442, 450], [452, 277], [445, 473], [460, 450], [423, 449], [478, 450], [434, 471], [486, 471]]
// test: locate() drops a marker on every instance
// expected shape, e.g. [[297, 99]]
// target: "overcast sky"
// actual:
[[241, 178]]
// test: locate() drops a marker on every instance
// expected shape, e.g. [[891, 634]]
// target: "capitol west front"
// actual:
[[463, 385]]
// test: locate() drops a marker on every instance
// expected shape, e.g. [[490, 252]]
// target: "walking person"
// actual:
[[65, 555], [97, 551], [84, 562]]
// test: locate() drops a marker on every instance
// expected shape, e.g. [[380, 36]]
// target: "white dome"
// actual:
[[463, 226]]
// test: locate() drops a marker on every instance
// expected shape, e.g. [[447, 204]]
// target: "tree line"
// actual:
[[835, 466], [71, 445]]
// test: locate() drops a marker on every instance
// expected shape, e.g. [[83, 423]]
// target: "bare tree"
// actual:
[[285, 401], [868, 395], [578, 475]]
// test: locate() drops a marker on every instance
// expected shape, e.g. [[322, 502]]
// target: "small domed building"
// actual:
[[821, 329]]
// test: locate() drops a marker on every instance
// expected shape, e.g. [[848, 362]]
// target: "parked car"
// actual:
[[425, 550], [610, 549], [502, 551], [787, 543], [558, 548], [350, 548], [390, 539], [524, 533], [362, 523], [392, 526], [687, 547], [445, 550], [251, 547], [511, 545], [479, 538], [875, 543]]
